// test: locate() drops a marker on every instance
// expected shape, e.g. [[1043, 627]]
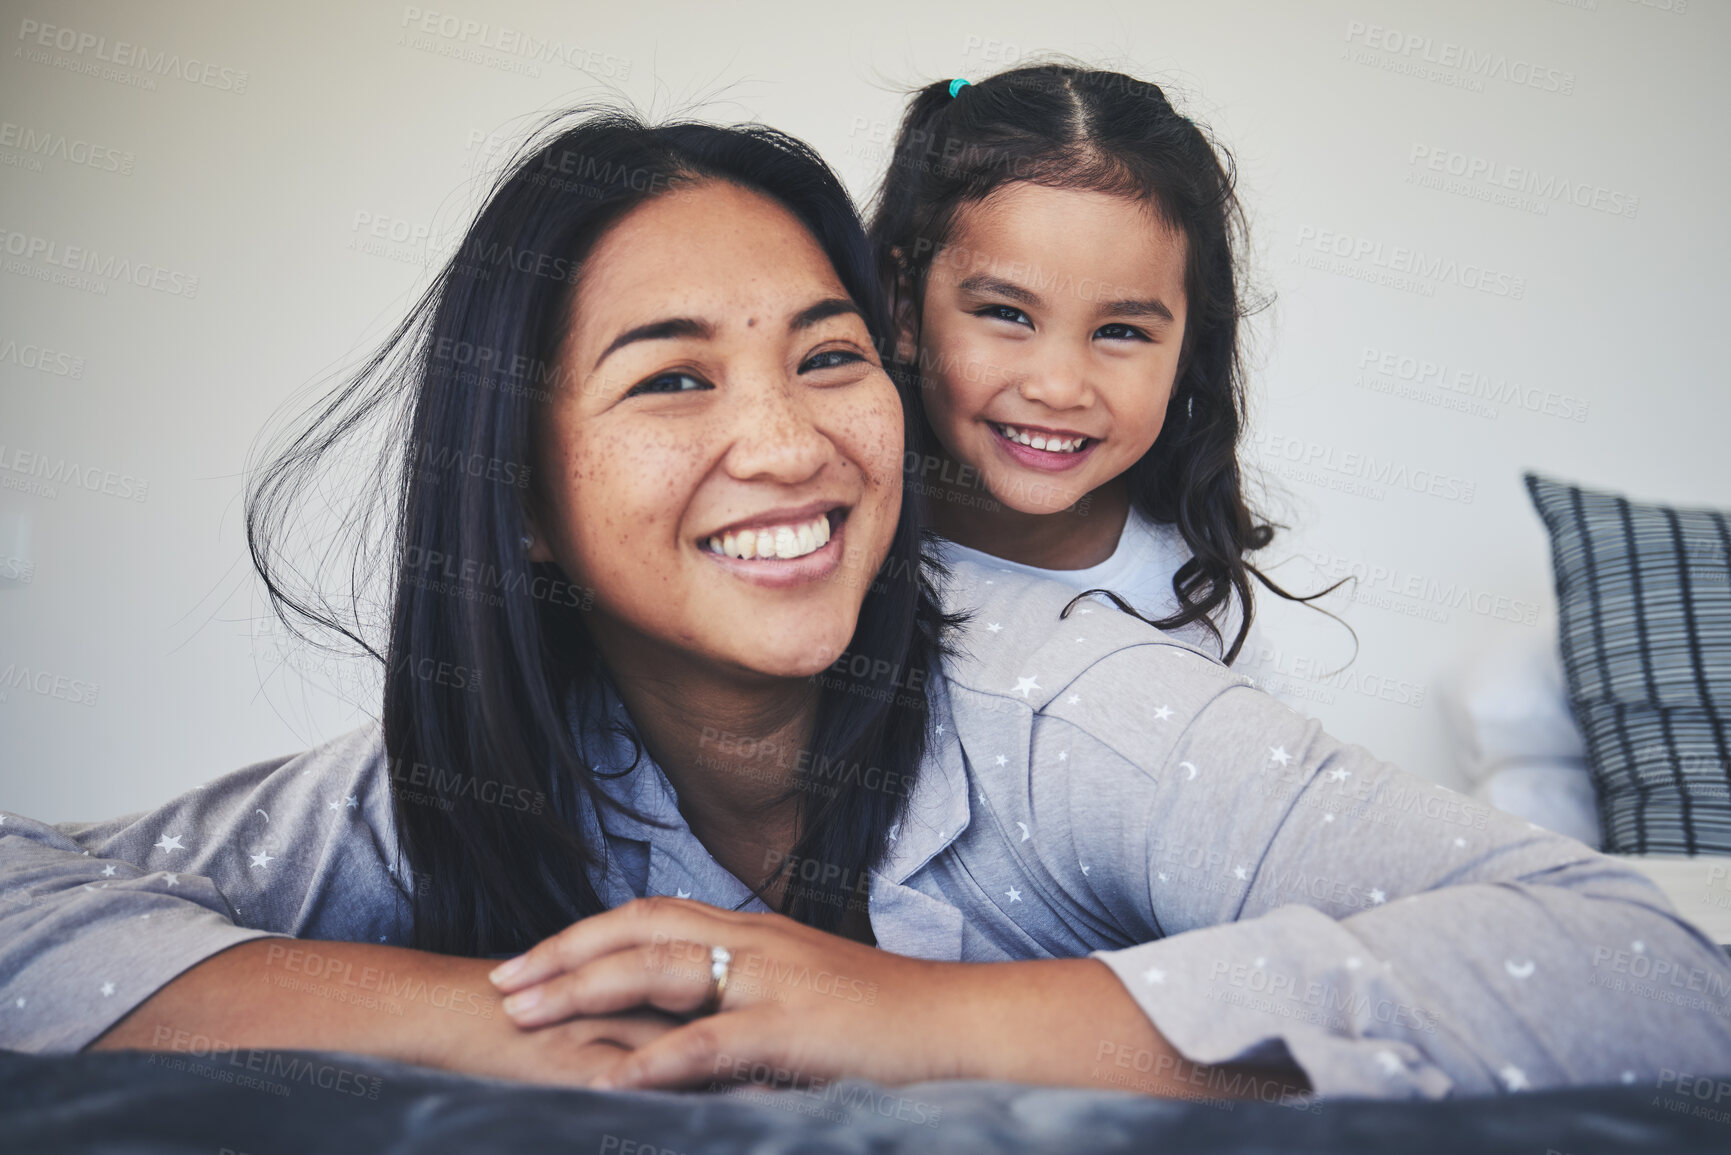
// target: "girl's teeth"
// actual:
[[782, 542], [1041, 441]]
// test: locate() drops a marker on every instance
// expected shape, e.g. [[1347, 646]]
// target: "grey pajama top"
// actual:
[[1092, 787]]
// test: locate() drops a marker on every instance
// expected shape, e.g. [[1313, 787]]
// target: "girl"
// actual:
[[1060, 248], [686, 720]]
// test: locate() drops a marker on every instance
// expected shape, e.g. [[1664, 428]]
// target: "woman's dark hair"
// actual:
[[1069, 127], [488, 662]]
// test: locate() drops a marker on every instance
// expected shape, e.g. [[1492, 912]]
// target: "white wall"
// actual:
[[144, 607]]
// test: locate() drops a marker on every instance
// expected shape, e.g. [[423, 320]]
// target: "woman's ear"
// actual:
[[533, 541], [537, 549]]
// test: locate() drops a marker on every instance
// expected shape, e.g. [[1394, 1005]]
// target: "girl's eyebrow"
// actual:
[[1153, 307], [986, 283]]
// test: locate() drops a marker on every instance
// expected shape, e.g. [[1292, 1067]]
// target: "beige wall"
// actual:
[[258, 152]]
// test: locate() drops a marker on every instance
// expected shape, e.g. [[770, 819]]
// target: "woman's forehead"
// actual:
[[709, 248]]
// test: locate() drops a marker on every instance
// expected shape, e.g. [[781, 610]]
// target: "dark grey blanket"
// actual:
[[279, 1103]]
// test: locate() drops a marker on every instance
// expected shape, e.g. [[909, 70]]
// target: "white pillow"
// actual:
[[1509, 706], [1555, 793]]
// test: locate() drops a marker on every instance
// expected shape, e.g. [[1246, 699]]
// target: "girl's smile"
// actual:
[[1052, 325], [1040, 448]]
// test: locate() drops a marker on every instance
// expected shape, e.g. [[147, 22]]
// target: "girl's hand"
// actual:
[[802, 1003]]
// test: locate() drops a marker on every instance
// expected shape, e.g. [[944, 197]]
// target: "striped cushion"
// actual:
[[1644, 601]]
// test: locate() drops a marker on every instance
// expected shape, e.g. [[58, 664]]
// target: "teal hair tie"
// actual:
[[957, 85]]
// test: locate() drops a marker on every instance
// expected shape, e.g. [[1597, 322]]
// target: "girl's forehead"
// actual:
[[1058, 210]]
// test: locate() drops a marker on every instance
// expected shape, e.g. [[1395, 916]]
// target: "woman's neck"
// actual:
[[729, 745], [1079, 537]]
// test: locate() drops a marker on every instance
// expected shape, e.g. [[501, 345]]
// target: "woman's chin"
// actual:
[[796, 655]]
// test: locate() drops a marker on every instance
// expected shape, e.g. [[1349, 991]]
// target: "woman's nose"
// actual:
[[775, 434]]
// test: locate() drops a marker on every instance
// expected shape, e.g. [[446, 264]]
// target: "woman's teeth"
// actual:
[[1049, 442], [782, 542]]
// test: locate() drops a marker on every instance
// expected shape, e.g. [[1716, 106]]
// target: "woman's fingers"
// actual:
[[627, 1031], [699, 1052], [639, 922], [671, 976]]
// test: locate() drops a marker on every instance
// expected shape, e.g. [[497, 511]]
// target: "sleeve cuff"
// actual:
[[1227, 993], [73, 992]]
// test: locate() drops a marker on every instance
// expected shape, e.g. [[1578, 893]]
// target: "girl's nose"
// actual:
[[1057, 376]]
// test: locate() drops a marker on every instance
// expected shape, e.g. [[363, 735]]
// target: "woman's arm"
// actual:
[[401, 1004], [802, 1006]]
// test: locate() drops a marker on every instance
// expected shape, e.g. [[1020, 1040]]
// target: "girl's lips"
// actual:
[[777, 573], [1042, 459]]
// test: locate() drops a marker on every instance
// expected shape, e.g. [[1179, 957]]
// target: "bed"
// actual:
[[278, 1102]]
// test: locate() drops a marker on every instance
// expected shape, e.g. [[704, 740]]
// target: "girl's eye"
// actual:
[[829, 359], [1005, 313], [1120, 332], [669, 383]]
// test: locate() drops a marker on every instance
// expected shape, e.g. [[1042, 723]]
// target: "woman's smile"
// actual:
[[735, 443], [781, 547]]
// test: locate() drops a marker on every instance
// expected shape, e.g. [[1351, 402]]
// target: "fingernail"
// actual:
[[506, 971], [523, 1001]]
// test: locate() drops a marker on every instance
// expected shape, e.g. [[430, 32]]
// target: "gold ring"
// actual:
[[719, 960]]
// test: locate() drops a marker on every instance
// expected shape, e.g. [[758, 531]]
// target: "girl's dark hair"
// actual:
[[1069, 127], [489, 666]]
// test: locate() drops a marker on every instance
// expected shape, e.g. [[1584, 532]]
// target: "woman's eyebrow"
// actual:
[[822, 311], [658, 331]]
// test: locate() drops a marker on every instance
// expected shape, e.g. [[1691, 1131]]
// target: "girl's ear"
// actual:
[[902, 316]]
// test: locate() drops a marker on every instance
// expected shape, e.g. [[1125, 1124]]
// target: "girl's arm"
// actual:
[[1392, 937]]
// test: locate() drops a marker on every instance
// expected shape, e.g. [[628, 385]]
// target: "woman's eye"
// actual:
[[668, 383], [1118, 332], [1005, 313], [829, 359]]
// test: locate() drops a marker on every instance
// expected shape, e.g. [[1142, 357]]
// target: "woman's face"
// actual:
[[722, 464], [1049, 340]]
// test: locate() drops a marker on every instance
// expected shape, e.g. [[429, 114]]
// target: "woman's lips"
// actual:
[[1047, 460], [815, 564]]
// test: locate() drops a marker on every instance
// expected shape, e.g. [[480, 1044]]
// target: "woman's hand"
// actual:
[[801, 1005], [572, 1053], [798, 1001]]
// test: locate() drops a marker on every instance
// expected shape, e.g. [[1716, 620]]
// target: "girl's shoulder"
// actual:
[[1032, 646]]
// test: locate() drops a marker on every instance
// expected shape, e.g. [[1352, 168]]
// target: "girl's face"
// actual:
[[1049, 341], [723, 463]]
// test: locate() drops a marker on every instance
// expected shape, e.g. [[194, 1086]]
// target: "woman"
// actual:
[[692, 674]]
